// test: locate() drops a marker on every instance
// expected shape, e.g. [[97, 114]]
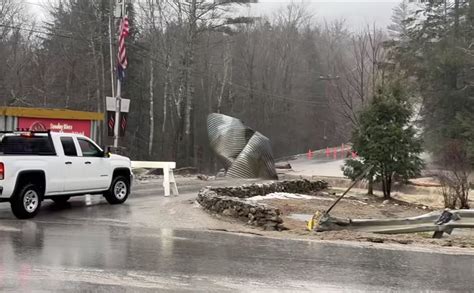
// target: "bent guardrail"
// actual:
[[438, 222]]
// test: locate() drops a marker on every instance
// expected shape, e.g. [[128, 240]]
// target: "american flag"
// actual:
[[122, 52]]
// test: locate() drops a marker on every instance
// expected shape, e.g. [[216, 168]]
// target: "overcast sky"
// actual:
[[356, 13]]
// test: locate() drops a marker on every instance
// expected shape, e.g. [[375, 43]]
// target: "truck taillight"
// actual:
[[2, 171]]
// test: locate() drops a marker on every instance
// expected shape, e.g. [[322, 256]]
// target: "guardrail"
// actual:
[[438, 222], [169, 182]]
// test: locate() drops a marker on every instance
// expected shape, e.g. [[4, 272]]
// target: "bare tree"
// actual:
[[359, 73], [15, 54], [187, 59], [454, 177]]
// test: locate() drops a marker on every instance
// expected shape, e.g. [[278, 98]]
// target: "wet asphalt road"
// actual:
[[61, 252]]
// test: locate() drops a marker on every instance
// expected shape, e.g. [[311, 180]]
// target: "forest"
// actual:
[[299, 80]]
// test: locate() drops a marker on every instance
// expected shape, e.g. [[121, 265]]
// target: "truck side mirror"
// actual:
[[106, 152]]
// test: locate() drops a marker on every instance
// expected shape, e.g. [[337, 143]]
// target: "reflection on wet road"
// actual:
[[75, 257]]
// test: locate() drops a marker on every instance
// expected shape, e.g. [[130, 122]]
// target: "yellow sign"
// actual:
[[314, 222]]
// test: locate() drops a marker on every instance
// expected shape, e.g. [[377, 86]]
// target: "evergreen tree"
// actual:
[[438, 54], [386, 138], [400, 19]]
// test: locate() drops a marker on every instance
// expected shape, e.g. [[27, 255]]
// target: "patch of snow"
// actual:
[[301, 217], [280, 195]]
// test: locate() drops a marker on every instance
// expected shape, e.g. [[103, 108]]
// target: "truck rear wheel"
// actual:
[[118, 191], [26, 202]]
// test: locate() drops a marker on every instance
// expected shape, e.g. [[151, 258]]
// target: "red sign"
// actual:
[[57, 125]]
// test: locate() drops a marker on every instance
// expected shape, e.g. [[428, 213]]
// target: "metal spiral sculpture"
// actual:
[[245, 153]]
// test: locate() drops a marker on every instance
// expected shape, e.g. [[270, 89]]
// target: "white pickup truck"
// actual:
[[45, 165]]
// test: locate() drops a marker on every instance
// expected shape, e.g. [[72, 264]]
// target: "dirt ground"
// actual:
[[355, 205], [352, 206], [358, 205]]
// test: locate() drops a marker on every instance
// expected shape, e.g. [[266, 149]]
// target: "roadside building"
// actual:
[[58, 120]]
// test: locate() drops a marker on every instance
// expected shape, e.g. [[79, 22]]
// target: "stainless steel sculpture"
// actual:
[[245, 153]]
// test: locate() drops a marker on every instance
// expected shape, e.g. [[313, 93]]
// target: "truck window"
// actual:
[[88, 148], [68, 146], [26, 145]]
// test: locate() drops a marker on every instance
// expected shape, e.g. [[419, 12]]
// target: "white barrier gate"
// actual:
[[169, 183]]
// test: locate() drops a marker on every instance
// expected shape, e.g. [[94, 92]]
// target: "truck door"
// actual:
[[95, 165], [75, 178]]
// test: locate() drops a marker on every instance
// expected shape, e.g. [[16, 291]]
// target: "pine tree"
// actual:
[[386, 138], [400, 21], [437, 54]]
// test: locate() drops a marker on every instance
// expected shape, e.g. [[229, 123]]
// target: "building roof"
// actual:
[[50, 113]]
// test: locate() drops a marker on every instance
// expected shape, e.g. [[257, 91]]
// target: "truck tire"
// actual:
[[26, 202], [60, 200], [118, 191]]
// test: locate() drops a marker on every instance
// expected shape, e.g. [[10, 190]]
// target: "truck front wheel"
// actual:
[[26, 202], [118, 191]]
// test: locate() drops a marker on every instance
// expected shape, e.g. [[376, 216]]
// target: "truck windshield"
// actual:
[[26, 145]]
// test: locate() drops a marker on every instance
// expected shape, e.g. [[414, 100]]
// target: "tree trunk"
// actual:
[[165, 93], [386, 184], [227, 62], [389, 186], [97, 77], [189, 102], [152, 112], [370, 187]]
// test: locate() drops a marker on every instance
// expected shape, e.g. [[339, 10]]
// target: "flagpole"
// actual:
[[111, 57], [119, 95]]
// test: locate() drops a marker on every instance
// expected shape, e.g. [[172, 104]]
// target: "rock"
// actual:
[[271, 212], [262, 222], [375, 239], [202, 177], [229, 213], [221, 173], [270, 226], [404, 241], [386, 201], [273, 218], [283, 166]]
